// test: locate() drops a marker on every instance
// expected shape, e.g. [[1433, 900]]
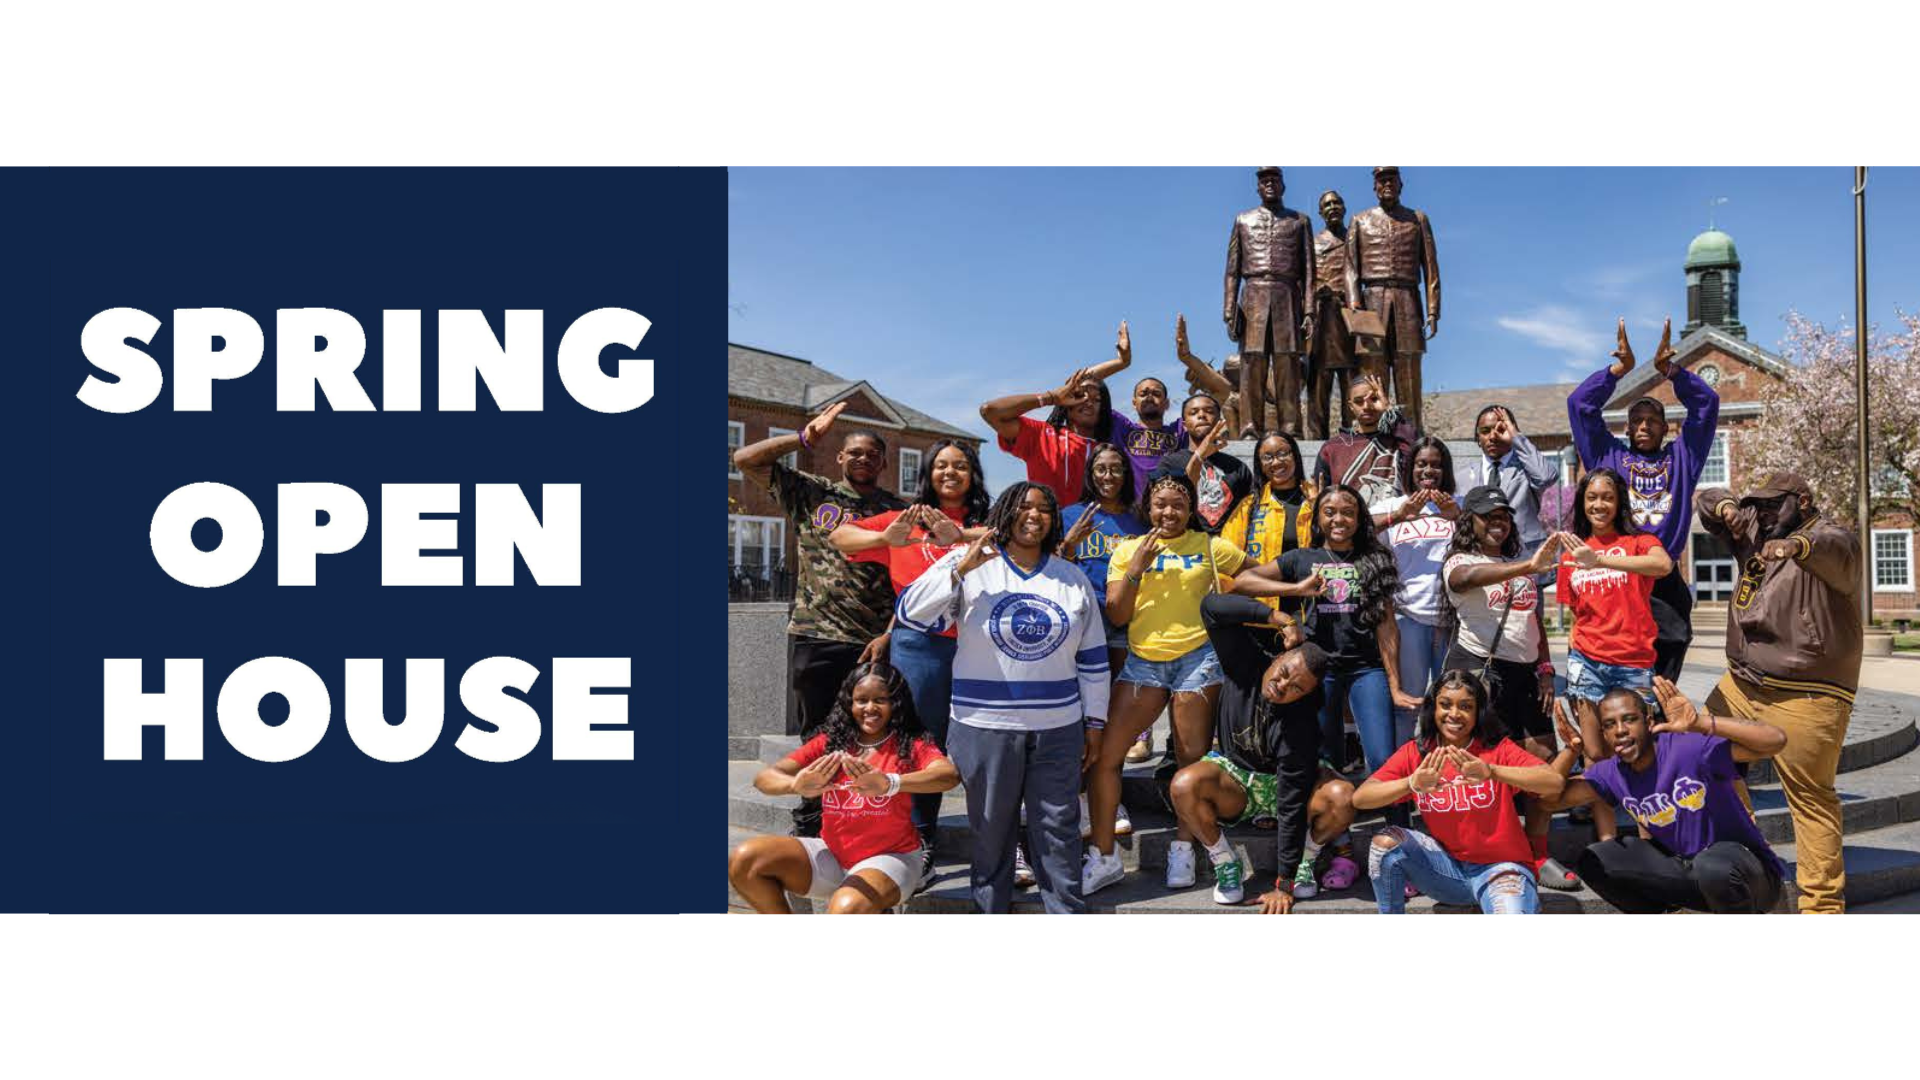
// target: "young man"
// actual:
[[1793, 655], [1219, 479], [1698, 847], [1509, 461], [1268, 764], [1660, 475], [840, 608], [1367, 456]]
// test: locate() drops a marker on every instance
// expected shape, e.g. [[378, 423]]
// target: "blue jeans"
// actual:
[[1590, 680], [1002, 771], [1423, 652], [926, 662], [1420, 858], [1188, 674]]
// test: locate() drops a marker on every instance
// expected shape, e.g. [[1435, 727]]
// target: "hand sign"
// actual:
[[1426, 776], [1145, 553], [1082, 529], [1680, 713], [978, 554], [1569, 731], [1076, 387], [1180, 338], [1663, 356], [1313, 585], [1623, 352], [1124, 346], [814, 779], [900, 530], [1548, 554], [1469, 766], [945, 532], [864, 778], [819, 425]]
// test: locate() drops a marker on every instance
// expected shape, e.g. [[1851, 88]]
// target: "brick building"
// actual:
[[1714, 346], [771, 394]]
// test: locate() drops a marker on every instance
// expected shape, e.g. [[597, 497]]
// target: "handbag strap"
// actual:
[[1499, 628]]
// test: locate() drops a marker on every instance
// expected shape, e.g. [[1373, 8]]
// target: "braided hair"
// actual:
[[1102, 428], [843, 733], [1006, 510], [1378, 576]]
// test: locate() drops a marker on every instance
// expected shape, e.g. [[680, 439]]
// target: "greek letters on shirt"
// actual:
[[1424, 527], [1656, 809], [1648, 492], [1143, 442], [849, 801], [828, 516], [1457, 795]]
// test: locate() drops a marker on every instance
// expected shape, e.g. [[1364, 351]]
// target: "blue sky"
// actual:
[[945, 287]]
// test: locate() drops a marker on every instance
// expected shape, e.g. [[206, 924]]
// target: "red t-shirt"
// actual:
[[1612, 612], [1474, 822], [1055, 456], [857, 826], [906, 564]]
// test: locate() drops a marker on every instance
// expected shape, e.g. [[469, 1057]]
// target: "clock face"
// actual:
[[1710, 374]]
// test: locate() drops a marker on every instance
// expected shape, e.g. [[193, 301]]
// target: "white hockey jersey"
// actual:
[[1032, 650]]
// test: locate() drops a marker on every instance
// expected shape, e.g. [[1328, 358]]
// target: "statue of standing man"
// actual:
[[1388, 249], [1330, 350], [1269, 278]]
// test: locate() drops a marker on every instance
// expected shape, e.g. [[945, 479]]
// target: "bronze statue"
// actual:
[[1330, 352], [1269, 277], [1388, 249]]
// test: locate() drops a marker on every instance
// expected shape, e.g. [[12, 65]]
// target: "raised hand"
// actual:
[[1124, 346], [1663, 356], [1215, 441], [1145, 553], [901, 529], [1583, 556], [1569, 731], [1082, 529], [1547, 556], [1622, 353], [814, 779], [1180, 338], [866, 779], [1426, 775], [1444, 501], [1775, 550], [819, 425], [946, 532], [1680, 713], [978, 554], [1469, 766], [1077, 386]]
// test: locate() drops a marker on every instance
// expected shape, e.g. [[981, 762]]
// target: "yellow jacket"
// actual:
[[1258, 526]]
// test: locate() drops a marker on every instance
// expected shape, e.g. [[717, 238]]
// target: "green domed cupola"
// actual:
[[1713, 284]]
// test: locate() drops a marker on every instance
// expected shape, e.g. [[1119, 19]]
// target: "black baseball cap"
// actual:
[[1485, 499]]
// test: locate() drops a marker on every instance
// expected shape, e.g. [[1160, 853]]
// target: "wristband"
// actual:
[[1094, 724], [1133, 579], [804, 441], [893, 784], [1545, 667], [1284, 885]]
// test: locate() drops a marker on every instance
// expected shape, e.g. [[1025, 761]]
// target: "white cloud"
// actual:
[[1559, 329]]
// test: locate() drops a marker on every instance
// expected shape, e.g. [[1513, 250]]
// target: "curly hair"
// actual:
[[977, 504], [1091, 494], [843, 733], [1006, 510], [1379, 577], [1622, 505], [1487, 726]]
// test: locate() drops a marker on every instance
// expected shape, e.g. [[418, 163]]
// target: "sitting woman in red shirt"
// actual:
[[871, 754], [1463, 772]]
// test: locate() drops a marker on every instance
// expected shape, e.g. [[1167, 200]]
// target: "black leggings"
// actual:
[[1641, 878]]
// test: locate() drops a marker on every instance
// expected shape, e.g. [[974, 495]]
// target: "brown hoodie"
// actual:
[[1794, 624]]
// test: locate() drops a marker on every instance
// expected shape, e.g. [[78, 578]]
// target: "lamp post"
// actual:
[[1863, 504]]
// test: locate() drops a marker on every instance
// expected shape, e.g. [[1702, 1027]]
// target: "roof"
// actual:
[[1541, 409], [1634, 386], [778, 379], [1712, 248]]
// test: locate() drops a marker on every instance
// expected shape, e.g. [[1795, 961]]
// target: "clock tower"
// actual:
[[1713, 284]]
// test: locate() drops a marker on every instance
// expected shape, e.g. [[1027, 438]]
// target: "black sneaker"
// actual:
[[926, 870]]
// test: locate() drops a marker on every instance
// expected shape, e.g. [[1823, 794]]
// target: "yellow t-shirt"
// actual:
[[1166, 607]]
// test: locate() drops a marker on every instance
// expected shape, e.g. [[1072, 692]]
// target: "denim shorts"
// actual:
[[1191, 673], [1590, 680]]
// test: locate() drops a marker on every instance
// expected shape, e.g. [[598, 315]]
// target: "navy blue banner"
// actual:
[[335, 829]]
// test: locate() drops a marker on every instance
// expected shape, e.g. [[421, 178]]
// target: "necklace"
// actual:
[[870, 745]]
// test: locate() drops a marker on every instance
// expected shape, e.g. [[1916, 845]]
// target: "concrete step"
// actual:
[[1873, 798], [1881, 863]]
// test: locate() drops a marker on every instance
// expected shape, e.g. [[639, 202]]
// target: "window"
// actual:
[[791, 461], [1569, 466], [736, 438], [1715, 470], [756, 546], [909, 472], [1892, 560]]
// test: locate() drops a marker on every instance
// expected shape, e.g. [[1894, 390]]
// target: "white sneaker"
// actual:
[[1180, 873], [1122, 824], [1229, 880], [1086, 818], [1022, 871], [1100, 871]]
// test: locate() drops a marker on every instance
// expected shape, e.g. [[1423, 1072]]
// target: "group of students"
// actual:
[[1139, 568]]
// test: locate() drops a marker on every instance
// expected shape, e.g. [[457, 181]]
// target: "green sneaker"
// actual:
[[1229, 881], [1304, 885]]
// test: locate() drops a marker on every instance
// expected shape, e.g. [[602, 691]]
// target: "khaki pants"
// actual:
[[1816, 725]]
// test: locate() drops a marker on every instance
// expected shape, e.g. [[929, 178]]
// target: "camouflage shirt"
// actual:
[[835, 598]]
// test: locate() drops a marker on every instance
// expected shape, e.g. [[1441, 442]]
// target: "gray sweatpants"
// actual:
[[999, 769]]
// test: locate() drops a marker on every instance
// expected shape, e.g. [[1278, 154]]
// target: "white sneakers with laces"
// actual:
[[1100, 871], [1180, 870]]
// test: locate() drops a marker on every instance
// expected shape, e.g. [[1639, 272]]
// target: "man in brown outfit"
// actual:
[[1269, 280], [1389, 250], [1793, 655]]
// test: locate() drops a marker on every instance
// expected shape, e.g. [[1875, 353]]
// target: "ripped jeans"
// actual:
[[1504, 888]]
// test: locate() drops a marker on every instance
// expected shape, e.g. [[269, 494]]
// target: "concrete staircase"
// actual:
[[1879, 791]]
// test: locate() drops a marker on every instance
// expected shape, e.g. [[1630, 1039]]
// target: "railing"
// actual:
[[758, 584]]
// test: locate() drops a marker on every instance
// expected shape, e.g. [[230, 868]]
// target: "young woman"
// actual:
[[1342, 591], [1369, 455], [1276, 519], [1494, 601], [1463, 772], [867, 857], [1608, 568], [1056, 451], [1165, 574], [1094, 527], [1030, 692], [950, 510], [1418, 528]]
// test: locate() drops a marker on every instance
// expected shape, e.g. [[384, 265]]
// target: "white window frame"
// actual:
[[734, 427], [790, 460], [776, 553], [1569, 466], [919, 460], [1873, 552], [1722, 447]]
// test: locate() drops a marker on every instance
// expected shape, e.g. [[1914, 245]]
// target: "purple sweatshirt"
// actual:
[[1660, 484]]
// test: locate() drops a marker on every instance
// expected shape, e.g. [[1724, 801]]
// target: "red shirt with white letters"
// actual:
[[857, 826], [1474, 821]]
